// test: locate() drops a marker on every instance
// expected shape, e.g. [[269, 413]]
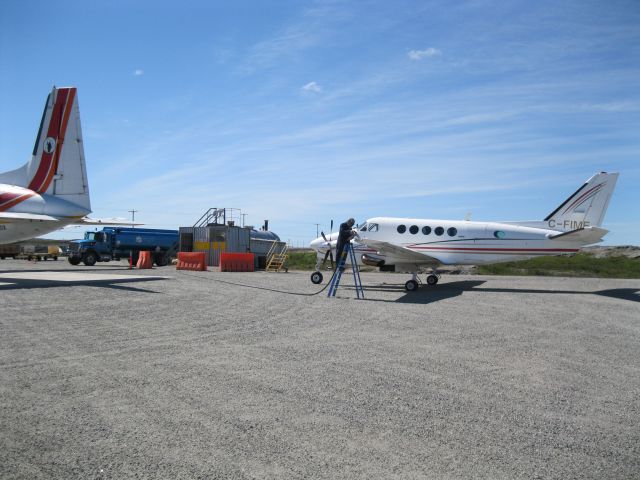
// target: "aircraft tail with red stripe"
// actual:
[[57, 166]]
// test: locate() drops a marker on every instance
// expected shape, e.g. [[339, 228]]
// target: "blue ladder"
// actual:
[[335, 279]]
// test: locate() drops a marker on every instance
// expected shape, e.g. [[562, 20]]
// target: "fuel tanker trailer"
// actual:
[[115, 243]]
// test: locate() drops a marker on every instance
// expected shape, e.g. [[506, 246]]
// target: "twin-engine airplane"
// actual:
[[414, 245], [51, 190]]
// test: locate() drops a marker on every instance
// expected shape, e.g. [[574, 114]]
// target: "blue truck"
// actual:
[[114, 243]]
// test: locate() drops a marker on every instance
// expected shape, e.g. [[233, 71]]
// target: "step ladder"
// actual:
[[335, 280], [275, 258]]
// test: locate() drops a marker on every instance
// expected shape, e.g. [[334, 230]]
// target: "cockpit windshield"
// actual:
[[94, 236], [369, 227]]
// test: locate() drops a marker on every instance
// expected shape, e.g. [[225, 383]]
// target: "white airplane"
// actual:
[[51, 190], [414, 245]]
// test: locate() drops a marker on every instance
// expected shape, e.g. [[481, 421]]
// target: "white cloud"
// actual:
[[420, 54], [312, 87], [138, 72]]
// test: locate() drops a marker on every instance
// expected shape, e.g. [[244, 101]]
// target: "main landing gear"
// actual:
[[413, 284]]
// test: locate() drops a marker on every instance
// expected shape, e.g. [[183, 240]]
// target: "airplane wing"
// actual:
[[11, 217], [586, 236], [400, 254], [15, 217], [106, 221]]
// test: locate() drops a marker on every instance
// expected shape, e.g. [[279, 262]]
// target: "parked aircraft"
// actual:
[[416, 245], [51, 190]]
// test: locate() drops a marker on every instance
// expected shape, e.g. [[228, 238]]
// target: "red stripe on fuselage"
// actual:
[[496, 249], [8, 200]]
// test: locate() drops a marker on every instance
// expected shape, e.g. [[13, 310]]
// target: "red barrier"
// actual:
[[145, 260], [236, 262], [191, 261]]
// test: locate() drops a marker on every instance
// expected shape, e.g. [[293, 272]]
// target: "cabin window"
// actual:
[[373, 227], [426, 230], [414, 229], [439, 231], [364, 228], [402, 228], [452, 231], [499, 234]]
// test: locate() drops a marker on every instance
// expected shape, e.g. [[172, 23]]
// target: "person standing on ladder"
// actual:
[[344, 236]]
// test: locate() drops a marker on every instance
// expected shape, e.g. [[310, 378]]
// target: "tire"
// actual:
[[74, 260], [90, 259], [316, 278], [161, 259], [411, 286], [134, 258], [432, 280]]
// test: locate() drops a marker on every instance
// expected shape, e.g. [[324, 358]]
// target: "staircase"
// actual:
[[276, 257]]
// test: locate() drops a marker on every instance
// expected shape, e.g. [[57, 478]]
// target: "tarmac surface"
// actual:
[[113, 373]]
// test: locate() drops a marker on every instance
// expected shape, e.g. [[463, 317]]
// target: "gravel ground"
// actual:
[[194, 377]]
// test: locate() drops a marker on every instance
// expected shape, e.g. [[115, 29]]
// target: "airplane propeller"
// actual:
[[329, 253]]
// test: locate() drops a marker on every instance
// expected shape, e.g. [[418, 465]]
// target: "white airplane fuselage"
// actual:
[[464, 242], [56, 211], [472, 243]]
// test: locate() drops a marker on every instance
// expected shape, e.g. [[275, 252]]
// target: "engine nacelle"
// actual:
[[372, 260]]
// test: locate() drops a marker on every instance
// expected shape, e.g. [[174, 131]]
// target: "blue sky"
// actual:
[[302, 112]]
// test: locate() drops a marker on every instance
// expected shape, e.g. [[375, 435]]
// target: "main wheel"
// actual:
[[161, 259], [90, 259], [432, 279], [411, 286], [74, 260], [316, 278]]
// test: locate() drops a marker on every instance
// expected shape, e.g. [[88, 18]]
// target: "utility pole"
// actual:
[[133, 216]]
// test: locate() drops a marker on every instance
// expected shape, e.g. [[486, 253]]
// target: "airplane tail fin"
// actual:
[[57, 166], [587, 206]]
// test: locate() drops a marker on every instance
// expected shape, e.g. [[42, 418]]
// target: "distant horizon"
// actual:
[[303, 112]]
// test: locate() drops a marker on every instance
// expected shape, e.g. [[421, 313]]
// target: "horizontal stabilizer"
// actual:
[[10, 217], [585, 236], [106, 221]]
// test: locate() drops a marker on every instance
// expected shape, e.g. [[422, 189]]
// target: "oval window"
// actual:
[[426, 230], [439, 231], [402, 228], [499, 234], [452, 231], [414, 229]]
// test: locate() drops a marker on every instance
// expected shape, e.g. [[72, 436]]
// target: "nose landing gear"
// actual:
[[316, 278]]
